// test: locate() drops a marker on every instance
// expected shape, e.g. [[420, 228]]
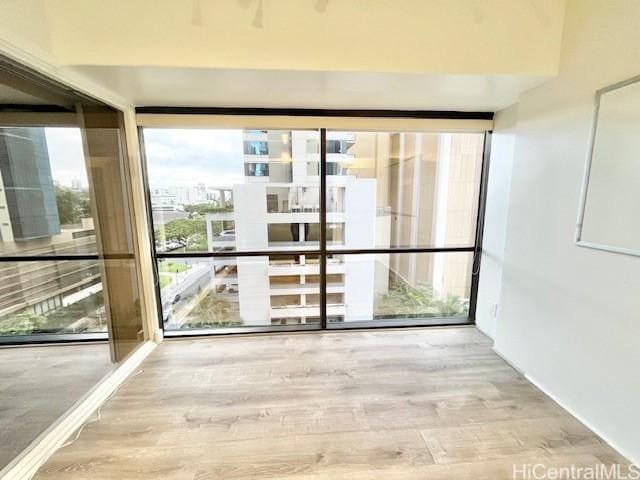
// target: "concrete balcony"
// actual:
[[221, 242], [305, 216], [307, 288], [340, 157], [308, 269], [306, 311], [294, 246], [224, 261], [253, 158], [255, 136]]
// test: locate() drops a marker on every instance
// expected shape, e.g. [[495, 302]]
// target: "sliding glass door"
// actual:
[[296, 229], [67, 258]]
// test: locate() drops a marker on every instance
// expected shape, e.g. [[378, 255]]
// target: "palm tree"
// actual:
[[214, 310], [402, 298]]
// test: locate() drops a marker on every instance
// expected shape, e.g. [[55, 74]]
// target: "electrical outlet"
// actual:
[[493, 308]]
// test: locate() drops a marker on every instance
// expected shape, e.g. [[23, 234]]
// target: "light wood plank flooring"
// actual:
[[405, 404], [39, 384]]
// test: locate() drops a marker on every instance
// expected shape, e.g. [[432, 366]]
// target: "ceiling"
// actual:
[[472, 55], [201, 87]]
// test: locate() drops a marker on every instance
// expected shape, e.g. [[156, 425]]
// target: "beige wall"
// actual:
[[27, 25]]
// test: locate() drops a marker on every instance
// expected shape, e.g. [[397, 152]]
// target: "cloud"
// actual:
[[193, 156]]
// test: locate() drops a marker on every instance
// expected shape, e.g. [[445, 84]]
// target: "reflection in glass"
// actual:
[[51, 297], [392, 189], [400, 286], [44, 196], [227, 292]]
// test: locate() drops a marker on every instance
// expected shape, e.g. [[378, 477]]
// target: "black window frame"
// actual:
[[322, 252]]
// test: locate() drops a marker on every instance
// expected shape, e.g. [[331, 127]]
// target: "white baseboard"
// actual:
[[37, 453], [569, 410], [485, 333]]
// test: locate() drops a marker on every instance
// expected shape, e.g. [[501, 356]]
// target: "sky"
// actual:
[[66, 155], [180, 157], [187, 157]]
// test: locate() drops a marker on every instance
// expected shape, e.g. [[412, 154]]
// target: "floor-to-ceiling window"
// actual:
[[274, 229]]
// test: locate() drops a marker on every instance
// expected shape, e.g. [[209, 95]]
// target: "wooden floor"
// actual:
[[405, 404], [39, 384]]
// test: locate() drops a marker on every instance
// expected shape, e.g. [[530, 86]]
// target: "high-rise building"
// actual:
[[27, 184]]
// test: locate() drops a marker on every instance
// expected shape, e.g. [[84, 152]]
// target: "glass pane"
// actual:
[[106, 158], [225, 292], [401, 189], [234, 190], [45, 205], [51, 297], [398, 286]]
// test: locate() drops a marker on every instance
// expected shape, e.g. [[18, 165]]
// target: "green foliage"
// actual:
[[72, 206], [204, 208], [173, 267], [190, 232], [23, 324], [64, 316], [197, 243], [165, 280], [59, 320], [404, 300], [450, 306]]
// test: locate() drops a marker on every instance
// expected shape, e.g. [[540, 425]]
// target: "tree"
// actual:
[[72, 206], [214, 310], [65, 201], [204, 208], [182, 230], [403, 299]]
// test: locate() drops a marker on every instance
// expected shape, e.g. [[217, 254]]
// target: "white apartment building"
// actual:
[[278, 209]]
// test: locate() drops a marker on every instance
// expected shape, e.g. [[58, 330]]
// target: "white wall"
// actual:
[[569, 316], [499, 185]]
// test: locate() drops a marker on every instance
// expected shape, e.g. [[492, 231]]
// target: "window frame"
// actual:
[[372, 120]]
